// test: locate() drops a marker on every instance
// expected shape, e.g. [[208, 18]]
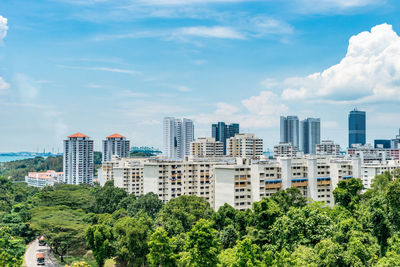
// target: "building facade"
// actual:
[[328, 147], [178, 134], [310, 135], [206, 147], [244, 145], [78, 159], [357, 127], [115, 144], [222, 131], [289, 130], [42, 179], [285, 150]]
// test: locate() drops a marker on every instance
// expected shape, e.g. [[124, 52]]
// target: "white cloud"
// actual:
[[182, 88], [106, 69], [369, 72], [261, 26], [3, 84], [3, 28], [210, 32], [329, 6], [260, 111]]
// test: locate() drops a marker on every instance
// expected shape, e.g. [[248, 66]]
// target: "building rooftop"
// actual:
[[115, 136], [77, 135]]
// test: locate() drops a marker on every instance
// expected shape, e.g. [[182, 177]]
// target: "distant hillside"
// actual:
[[19, 168]]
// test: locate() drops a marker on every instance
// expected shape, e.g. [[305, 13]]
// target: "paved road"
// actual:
[[30, 255]]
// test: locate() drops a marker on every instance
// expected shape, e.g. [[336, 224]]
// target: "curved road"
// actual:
[[30, 255]]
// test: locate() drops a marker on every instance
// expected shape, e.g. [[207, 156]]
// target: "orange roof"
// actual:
[[115, 136], [78, 135], [40, 255]]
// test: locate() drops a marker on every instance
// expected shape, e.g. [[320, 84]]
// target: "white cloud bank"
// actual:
[[370, 72]]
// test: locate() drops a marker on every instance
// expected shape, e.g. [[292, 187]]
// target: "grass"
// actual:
[[90, 260]]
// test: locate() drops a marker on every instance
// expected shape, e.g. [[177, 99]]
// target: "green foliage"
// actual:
[[18, 169], [160, 249], [202, 245], [63, 227], [12, 248], [99, 239], [228, 236], [291, 197], [148, 203], [108, 197], [348, 193], [132, 237], [180, 214], [247, 254]]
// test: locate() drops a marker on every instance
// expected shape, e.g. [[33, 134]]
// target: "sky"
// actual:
[[101, 67]]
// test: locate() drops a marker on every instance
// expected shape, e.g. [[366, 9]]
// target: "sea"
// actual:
[[12, 158]]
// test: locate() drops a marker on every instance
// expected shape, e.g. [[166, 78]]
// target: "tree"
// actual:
[[348, 193], [202, 245], [108, 197], [64, 228], [180, 214], [132, 236], [11, 248], [100, 240], [291, 197], [148, 203], [392, 257], [228, 236], [246, 254], [160, 249], [329, 253], [393, 204]]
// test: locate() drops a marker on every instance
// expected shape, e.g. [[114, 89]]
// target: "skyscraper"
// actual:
[[310, 135], [222, 131], [78, 159], [357, 127], [178, 134], [290, 130], [115, 144]]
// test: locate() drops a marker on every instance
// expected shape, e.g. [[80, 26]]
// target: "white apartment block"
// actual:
[[178, 134], [206, 147], [285, 150], [368, 153], [78, 159], [244, 145], [127, 174], [328, 147], [42, 179], [115, 144]]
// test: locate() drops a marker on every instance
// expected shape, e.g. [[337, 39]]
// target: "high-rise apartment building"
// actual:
[[78, 159], [206, 147], [285, 150], [290, 130], [357, 127], [328, 147], [222, 131], [310, 135], [115, 144], [178, 134], [244, 145]]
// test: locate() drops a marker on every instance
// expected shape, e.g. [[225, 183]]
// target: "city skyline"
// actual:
[[249, 62]]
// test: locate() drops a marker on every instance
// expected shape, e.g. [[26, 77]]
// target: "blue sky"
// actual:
[[102, 66]]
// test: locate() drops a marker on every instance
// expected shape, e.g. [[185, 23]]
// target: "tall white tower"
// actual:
[[115, 144], [78, 159], [178, 134]]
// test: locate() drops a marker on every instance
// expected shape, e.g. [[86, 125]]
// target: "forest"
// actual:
[[361, 229]]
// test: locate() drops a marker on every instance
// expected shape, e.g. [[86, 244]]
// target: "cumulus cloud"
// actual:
[[369, 72], [3, 85], [255, 112], [3, 28]]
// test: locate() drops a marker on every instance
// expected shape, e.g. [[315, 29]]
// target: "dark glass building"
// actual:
[[357, 127], [222, 131], [382, 143]]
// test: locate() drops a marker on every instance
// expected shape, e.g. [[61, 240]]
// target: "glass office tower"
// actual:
[[357, 127]]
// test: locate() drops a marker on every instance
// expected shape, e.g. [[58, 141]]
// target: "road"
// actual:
[[30, 255]]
